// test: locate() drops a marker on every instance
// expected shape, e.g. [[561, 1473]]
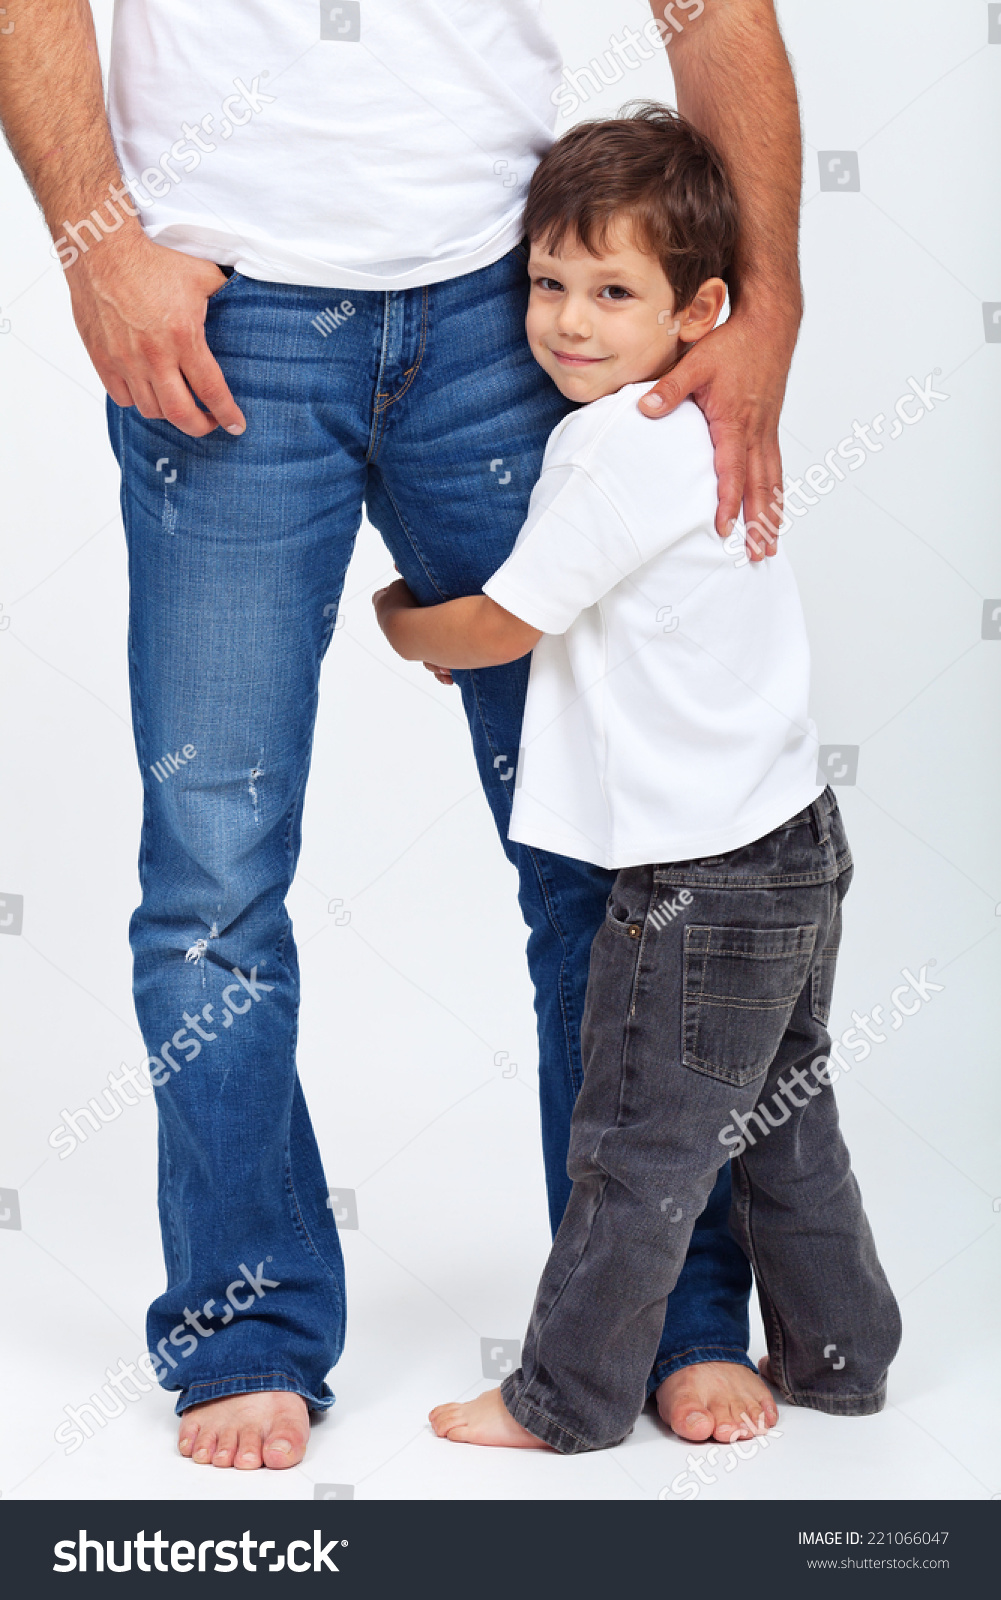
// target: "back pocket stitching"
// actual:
[[705, 943]]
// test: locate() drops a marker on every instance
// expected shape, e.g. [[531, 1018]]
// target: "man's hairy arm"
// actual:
[[734, 82], [140, 308], [471, 632]]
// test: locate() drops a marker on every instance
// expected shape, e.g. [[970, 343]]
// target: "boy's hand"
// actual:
[[389, 602], [441, 673]]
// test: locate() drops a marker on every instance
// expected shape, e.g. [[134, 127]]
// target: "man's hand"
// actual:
[[737, 376], [733, 81], [140, 310]]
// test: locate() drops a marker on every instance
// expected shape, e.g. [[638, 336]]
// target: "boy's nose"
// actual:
[[573, 322]]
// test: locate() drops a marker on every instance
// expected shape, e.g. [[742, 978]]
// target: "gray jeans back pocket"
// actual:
[[741, 986]]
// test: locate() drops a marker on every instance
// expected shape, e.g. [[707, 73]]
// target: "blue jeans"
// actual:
[[425, 406]]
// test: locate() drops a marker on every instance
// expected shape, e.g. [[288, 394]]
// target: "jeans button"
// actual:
[[634, 930]]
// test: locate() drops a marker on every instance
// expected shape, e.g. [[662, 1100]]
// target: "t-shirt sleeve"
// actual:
[[573, 548]]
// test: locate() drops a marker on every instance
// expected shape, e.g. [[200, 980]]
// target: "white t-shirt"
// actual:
[[359, 146], [667, 702]]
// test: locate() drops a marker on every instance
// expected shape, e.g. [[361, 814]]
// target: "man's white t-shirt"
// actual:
[[371, 145], [667, 715]]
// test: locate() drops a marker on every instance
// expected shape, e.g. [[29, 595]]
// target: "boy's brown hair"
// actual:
[[650, 165]]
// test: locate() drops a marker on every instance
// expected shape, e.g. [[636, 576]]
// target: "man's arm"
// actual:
[[140, 308], [735, 84], [472, 632]]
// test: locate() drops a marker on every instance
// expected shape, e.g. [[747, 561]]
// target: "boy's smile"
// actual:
[[596, 323]]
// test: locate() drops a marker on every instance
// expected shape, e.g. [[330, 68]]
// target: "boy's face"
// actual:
[[596, 323]]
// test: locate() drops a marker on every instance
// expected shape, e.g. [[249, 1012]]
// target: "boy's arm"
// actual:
[[734, 82], [472, 632]]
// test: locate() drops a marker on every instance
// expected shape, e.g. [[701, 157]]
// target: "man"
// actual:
[[362, 169]]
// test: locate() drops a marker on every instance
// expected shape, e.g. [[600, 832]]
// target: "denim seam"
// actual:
[[570, 1275], [238, 1377], [557, 1427], [576, 1074], [410, 373], [659, 1371], [837, 1405], [378, 414], [297, 1217], [218, 293], [707, 880], [410, 540], [640, 943], [770, 1316]]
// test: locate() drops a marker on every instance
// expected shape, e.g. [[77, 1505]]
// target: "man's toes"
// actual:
[[205, 1447], [225, 1448], [690, 1422], [728, 1427], [248, 1454], [281, 1452], [187, 1437], [286, 1439], [684, 1413]]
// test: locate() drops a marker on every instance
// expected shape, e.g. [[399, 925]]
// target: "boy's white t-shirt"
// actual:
[[666, 715]]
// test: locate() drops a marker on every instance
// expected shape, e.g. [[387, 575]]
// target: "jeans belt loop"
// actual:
[[818, 822]]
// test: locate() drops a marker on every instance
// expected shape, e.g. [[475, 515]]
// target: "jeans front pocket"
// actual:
[[741, 986]]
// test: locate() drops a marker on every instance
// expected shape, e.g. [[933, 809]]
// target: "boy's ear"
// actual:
[[701, 315]]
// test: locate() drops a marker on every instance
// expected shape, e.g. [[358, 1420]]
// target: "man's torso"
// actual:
[[367, 145]]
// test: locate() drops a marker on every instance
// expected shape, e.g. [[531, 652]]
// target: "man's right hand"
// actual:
[[140, 309]]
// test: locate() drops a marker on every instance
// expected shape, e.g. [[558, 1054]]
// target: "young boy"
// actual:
[[666, 735]]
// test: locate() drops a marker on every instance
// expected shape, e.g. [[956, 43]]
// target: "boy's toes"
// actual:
[[444, 1417], [205, 1447]]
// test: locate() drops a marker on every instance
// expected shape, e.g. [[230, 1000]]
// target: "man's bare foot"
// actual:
[[247, 1431], [716, 1400], [485, 1420]]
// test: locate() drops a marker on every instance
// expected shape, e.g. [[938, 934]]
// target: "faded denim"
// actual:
[[426, 406], [696, 1017]]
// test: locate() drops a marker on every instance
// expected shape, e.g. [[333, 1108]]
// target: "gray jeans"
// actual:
[[705, 1037]]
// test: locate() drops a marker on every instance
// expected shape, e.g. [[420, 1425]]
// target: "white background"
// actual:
[[415, 1009]]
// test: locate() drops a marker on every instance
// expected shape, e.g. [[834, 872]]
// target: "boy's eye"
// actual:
[[553, 285], [615, 291]]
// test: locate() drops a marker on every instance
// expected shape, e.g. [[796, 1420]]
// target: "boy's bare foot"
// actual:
[[247, 1431], [485, 1420], [713, 1400]]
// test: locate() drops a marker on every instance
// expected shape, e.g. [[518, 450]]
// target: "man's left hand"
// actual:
[[737, 377]]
